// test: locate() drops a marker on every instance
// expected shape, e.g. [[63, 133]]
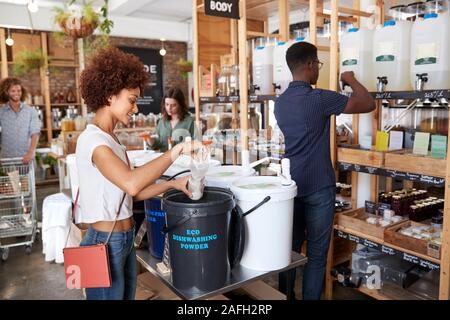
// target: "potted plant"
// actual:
[[28, 60], [184, 67], [81, 22]]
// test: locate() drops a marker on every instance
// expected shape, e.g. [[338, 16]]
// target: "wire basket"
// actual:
[[16, 226], [14, 179]]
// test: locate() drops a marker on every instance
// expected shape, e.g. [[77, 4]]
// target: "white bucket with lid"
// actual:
[[224, 176], [268, 240]]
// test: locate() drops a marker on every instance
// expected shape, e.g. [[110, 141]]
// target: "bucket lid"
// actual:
[[353, 30], [261, 186], [215, 201], [299, 38], [389, 23], [259, 47], [430, 16], [280, 43], [226, 173]]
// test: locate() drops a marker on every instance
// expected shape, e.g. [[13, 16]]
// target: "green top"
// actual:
[[164, 130]]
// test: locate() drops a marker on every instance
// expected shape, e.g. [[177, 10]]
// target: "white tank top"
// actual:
[[99, 198]]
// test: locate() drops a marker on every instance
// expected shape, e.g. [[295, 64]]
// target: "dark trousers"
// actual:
[[313, 221]]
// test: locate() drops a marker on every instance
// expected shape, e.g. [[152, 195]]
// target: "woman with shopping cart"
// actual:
[[110, 85]]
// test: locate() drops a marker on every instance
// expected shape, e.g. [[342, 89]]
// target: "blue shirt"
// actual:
[[303, 115], [17, 129]]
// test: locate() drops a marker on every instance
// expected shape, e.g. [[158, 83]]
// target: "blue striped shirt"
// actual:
[[303, 115], [17, 129]]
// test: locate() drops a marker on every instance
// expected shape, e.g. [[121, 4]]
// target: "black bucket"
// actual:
[[198, 238]]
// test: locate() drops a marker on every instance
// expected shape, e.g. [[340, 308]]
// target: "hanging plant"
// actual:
[[184, 67], [28, 61], [81, 22]]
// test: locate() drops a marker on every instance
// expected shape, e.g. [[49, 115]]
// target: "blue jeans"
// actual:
[[313, 222], [122, 263]]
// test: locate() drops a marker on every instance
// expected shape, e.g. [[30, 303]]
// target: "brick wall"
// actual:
[[175, 51], [62, 79]]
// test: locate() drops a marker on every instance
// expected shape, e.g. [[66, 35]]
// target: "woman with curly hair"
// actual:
[[176, 123], [110, 86], [19, 122]]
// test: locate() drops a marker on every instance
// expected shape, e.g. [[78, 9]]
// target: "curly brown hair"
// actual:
[[108, 72], [177, 94], [6, 84]]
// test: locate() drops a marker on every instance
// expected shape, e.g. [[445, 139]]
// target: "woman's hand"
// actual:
[[181, 185], [187, 148]]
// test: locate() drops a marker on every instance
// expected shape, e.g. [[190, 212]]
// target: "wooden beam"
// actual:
[[329, 279], [46, 87], [341, 18], [283, 16], [254, 34], [334, 69], [444, 282], [195, 49], [354, 12], [357, 6], [4, 67], [234, 41], [243, 72], [313, 21]]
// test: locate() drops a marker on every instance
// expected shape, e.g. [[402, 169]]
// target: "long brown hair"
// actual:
[[6, 84], [177, 94]]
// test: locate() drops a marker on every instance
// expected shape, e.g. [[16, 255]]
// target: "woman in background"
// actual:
[[175, 123]]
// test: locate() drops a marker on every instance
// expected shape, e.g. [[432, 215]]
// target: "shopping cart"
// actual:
[[18, 223]]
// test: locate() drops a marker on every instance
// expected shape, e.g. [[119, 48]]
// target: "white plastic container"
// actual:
[[282, 76], [263, 69], [430, 50], [268, 242], [356, 55], [224, 176], [391, 55]]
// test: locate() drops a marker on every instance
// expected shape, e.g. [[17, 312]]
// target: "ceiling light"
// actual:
[[32, 6], [163, 50], [9, 41]]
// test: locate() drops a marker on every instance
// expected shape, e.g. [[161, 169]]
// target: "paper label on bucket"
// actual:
[[194, 240], [385, 52], [259, 186], [350, 56], [426, 53]]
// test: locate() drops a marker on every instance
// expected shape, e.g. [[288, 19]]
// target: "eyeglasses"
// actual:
[[320, 64]]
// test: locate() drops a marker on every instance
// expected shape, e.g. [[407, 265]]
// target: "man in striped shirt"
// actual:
[[19, 122], [303, 115]]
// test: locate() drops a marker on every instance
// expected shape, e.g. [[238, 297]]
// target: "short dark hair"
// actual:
[[108, 72], [6, 84], [177, 94], [300, 53]]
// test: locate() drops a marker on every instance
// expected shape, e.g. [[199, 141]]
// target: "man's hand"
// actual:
[[28, 157], [348, 77]]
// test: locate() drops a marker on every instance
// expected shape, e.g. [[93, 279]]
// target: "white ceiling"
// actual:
[[166, 10]]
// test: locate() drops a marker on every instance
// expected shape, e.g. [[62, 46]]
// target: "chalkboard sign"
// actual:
[[153, 91], [222, 8]]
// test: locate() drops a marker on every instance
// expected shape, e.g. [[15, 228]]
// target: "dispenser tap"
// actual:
[[253, 88], [286, 172], [381, 84], [421, 78], [276, 86]]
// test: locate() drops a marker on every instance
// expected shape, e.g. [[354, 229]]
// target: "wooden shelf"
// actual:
[[378, 241], [409, 95], [63, 65], [135, 129], [391, 292], [393, 164]]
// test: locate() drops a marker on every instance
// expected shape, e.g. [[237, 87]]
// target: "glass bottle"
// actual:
[[396, 205], [234, 80], [224, 81]]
